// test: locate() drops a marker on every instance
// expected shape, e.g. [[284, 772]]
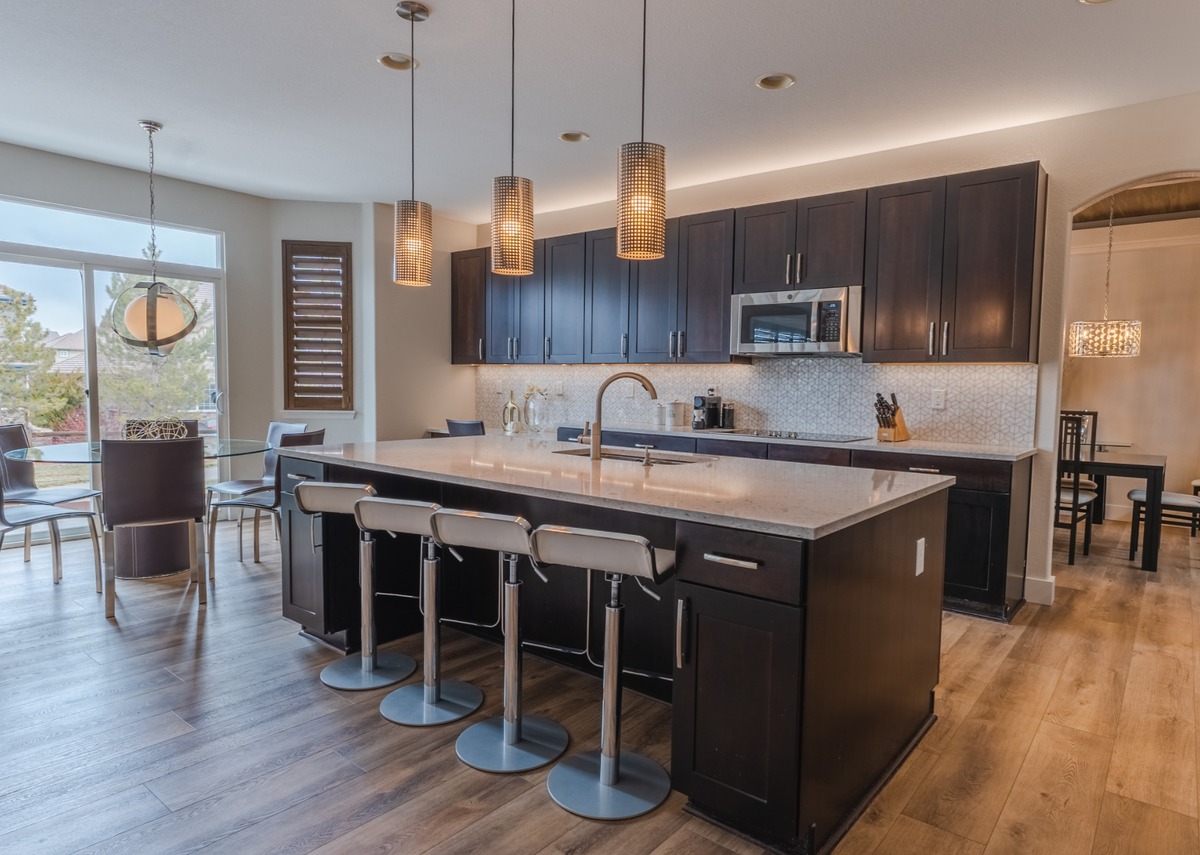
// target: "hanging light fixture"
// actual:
[[413, 257], [642, 189], [1105, 337], [151, 316], [512, 198]]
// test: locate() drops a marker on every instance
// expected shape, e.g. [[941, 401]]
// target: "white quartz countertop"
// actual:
[[912, 446], [790, 499]]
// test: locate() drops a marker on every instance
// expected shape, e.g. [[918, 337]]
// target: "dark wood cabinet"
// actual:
[[606, 300], [816, 242], [705, 269], [516, 314], [808, 454], [564, 284], [653, 303], [468, 305], [953, 268], [731, 448]]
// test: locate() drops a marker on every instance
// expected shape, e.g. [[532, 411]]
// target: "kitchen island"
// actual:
[[798, 641]]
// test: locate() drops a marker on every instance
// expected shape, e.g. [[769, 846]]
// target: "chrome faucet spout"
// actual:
[[632, 375]]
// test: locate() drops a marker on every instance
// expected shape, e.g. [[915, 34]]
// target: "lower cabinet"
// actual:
[[735, 741]]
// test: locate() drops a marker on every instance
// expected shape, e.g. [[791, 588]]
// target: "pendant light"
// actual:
[[412, 262], [512, 197], [1105, 337], [151, 316], [642, 189]]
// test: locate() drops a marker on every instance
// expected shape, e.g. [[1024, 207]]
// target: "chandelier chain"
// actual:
[[153, 231], [1108, 269]]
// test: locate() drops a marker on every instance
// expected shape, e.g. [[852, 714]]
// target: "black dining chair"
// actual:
[[464, 427], [20, 486], [1073, 499], [244, 487], [152, 484], [266, 501]]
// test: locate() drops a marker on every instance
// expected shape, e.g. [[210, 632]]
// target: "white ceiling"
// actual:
[[284, 98]]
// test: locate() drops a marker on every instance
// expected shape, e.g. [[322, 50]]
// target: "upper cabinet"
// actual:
[[605, 300], [565, 267], [800, 244], [705, 265], [516, 314], [953, 268], [469, 272]]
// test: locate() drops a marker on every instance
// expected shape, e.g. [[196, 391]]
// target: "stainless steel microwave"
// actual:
[[819, 322]]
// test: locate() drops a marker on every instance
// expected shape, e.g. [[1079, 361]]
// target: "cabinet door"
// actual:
[[991, 280], [765, 248], [977, 549], [303, 566], [903, 279], [652, 300], [565, 267], [606, 300], [830, 240], [468, 305], [734, 743], [501, 318], [529, 298], [705, 271]]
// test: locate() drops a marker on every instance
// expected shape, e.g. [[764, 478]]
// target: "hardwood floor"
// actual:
[[176, 729]]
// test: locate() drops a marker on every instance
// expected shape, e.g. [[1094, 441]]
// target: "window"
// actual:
[[317, 332]]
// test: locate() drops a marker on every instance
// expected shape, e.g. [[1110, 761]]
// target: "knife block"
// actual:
[[899, 433]]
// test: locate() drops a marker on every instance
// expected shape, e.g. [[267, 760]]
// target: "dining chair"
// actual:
[[464, 427], [20, 486], [246, 486], [27, 515], [1088, 426], [265, 501], [1073, 499], [152, 484]]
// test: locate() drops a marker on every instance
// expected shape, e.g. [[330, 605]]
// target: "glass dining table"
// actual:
[[89, 452]]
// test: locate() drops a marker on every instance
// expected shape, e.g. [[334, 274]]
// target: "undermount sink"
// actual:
[[632, 456]]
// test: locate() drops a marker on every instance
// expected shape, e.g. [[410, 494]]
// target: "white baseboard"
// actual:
[[1040, 591]]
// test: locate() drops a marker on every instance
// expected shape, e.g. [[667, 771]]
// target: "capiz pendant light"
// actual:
[[151, 316], [642, 189], [412, 262], [512, 197], [1105, 337]]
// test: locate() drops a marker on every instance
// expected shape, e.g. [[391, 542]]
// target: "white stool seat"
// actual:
[[1084, 483], [1177, 501], [1085, 497]]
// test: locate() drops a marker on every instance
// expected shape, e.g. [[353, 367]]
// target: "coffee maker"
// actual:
[[706, 412]]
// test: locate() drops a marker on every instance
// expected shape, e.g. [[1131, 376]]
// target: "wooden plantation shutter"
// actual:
[[317, 334]]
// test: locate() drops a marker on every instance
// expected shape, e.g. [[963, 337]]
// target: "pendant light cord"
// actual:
[[412, 104], [512, 102], [153, 234], [643, 134], [1108, 269]]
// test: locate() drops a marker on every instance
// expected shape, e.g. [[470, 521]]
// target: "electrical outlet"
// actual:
[[556, 387], [937, 400], [920, 555], [712, 391], [499, 387]]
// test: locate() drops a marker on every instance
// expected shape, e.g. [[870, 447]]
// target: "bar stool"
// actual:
[[609, 783], [370, 669], [435, 701], [512, 742]]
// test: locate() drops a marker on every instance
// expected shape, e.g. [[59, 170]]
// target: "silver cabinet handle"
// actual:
[[799, 267], [671, 344], [516, 348], [945, 334], [745, 564], [931, 325], [546, 350], [679, 607], [624, 344], [787, 271], [679, 346], [481, 350], [295, 476], [927, 469]]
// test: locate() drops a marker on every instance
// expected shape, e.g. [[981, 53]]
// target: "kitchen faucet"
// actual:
[[632, 375]]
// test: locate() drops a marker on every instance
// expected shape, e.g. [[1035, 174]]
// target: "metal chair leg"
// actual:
[[56, 550], [197, 569], [95, 551], [212, 533], [257, 515], [110, 581], [28, 543]]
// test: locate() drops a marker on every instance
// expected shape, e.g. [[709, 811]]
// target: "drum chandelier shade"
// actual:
[[1105, 337], [512, 197], [412, 261], [151, 316], [642, 189]]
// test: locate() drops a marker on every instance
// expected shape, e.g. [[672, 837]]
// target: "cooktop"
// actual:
[[792, 434]]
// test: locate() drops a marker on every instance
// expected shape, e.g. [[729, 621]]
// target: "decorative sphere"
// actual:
[[169, 320]]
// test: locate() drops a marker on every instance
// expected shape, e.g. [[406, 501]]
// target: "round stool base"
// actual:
[[347, 674], [407, 704], [575, 785], [482, 745]]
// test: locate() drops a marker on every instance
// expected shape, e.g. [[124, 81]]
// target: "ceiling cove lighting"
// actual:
[[151, 316], [1105, 337], [412, 261], [642, 189], [512, 197]]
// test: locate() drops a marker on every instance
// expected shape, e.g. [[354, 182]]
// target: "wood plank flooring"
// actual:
[[175, 729]]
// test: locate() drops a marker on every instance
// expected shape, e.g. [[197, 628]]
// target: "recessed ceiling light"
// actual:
[[775, 81], [574, 136], [398, 61]]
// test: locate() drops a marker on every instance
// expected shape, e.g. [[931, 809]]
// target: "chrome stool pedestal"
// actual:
[[372, 668], [609, 783], [513, 742]]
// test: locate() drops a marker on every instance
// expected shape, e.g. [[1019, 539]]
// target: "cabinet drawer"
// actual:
[[760, 565], [292, 471], [662, 441], [731, 448], [994, 476], [809, 454]]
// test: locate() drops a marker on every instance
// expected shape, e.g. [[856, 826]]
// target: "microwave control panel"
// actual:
[[829, 320]]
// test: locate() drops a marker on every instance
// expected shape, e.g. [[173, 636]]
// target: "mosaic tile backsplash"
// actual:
[[989, 404]]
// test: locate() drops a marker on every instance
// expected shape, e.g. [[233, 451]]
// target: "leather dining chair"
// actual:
[[152, 484], [1073, 499], [244, 487], [265, 501], [464, 427], [20, 487]]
